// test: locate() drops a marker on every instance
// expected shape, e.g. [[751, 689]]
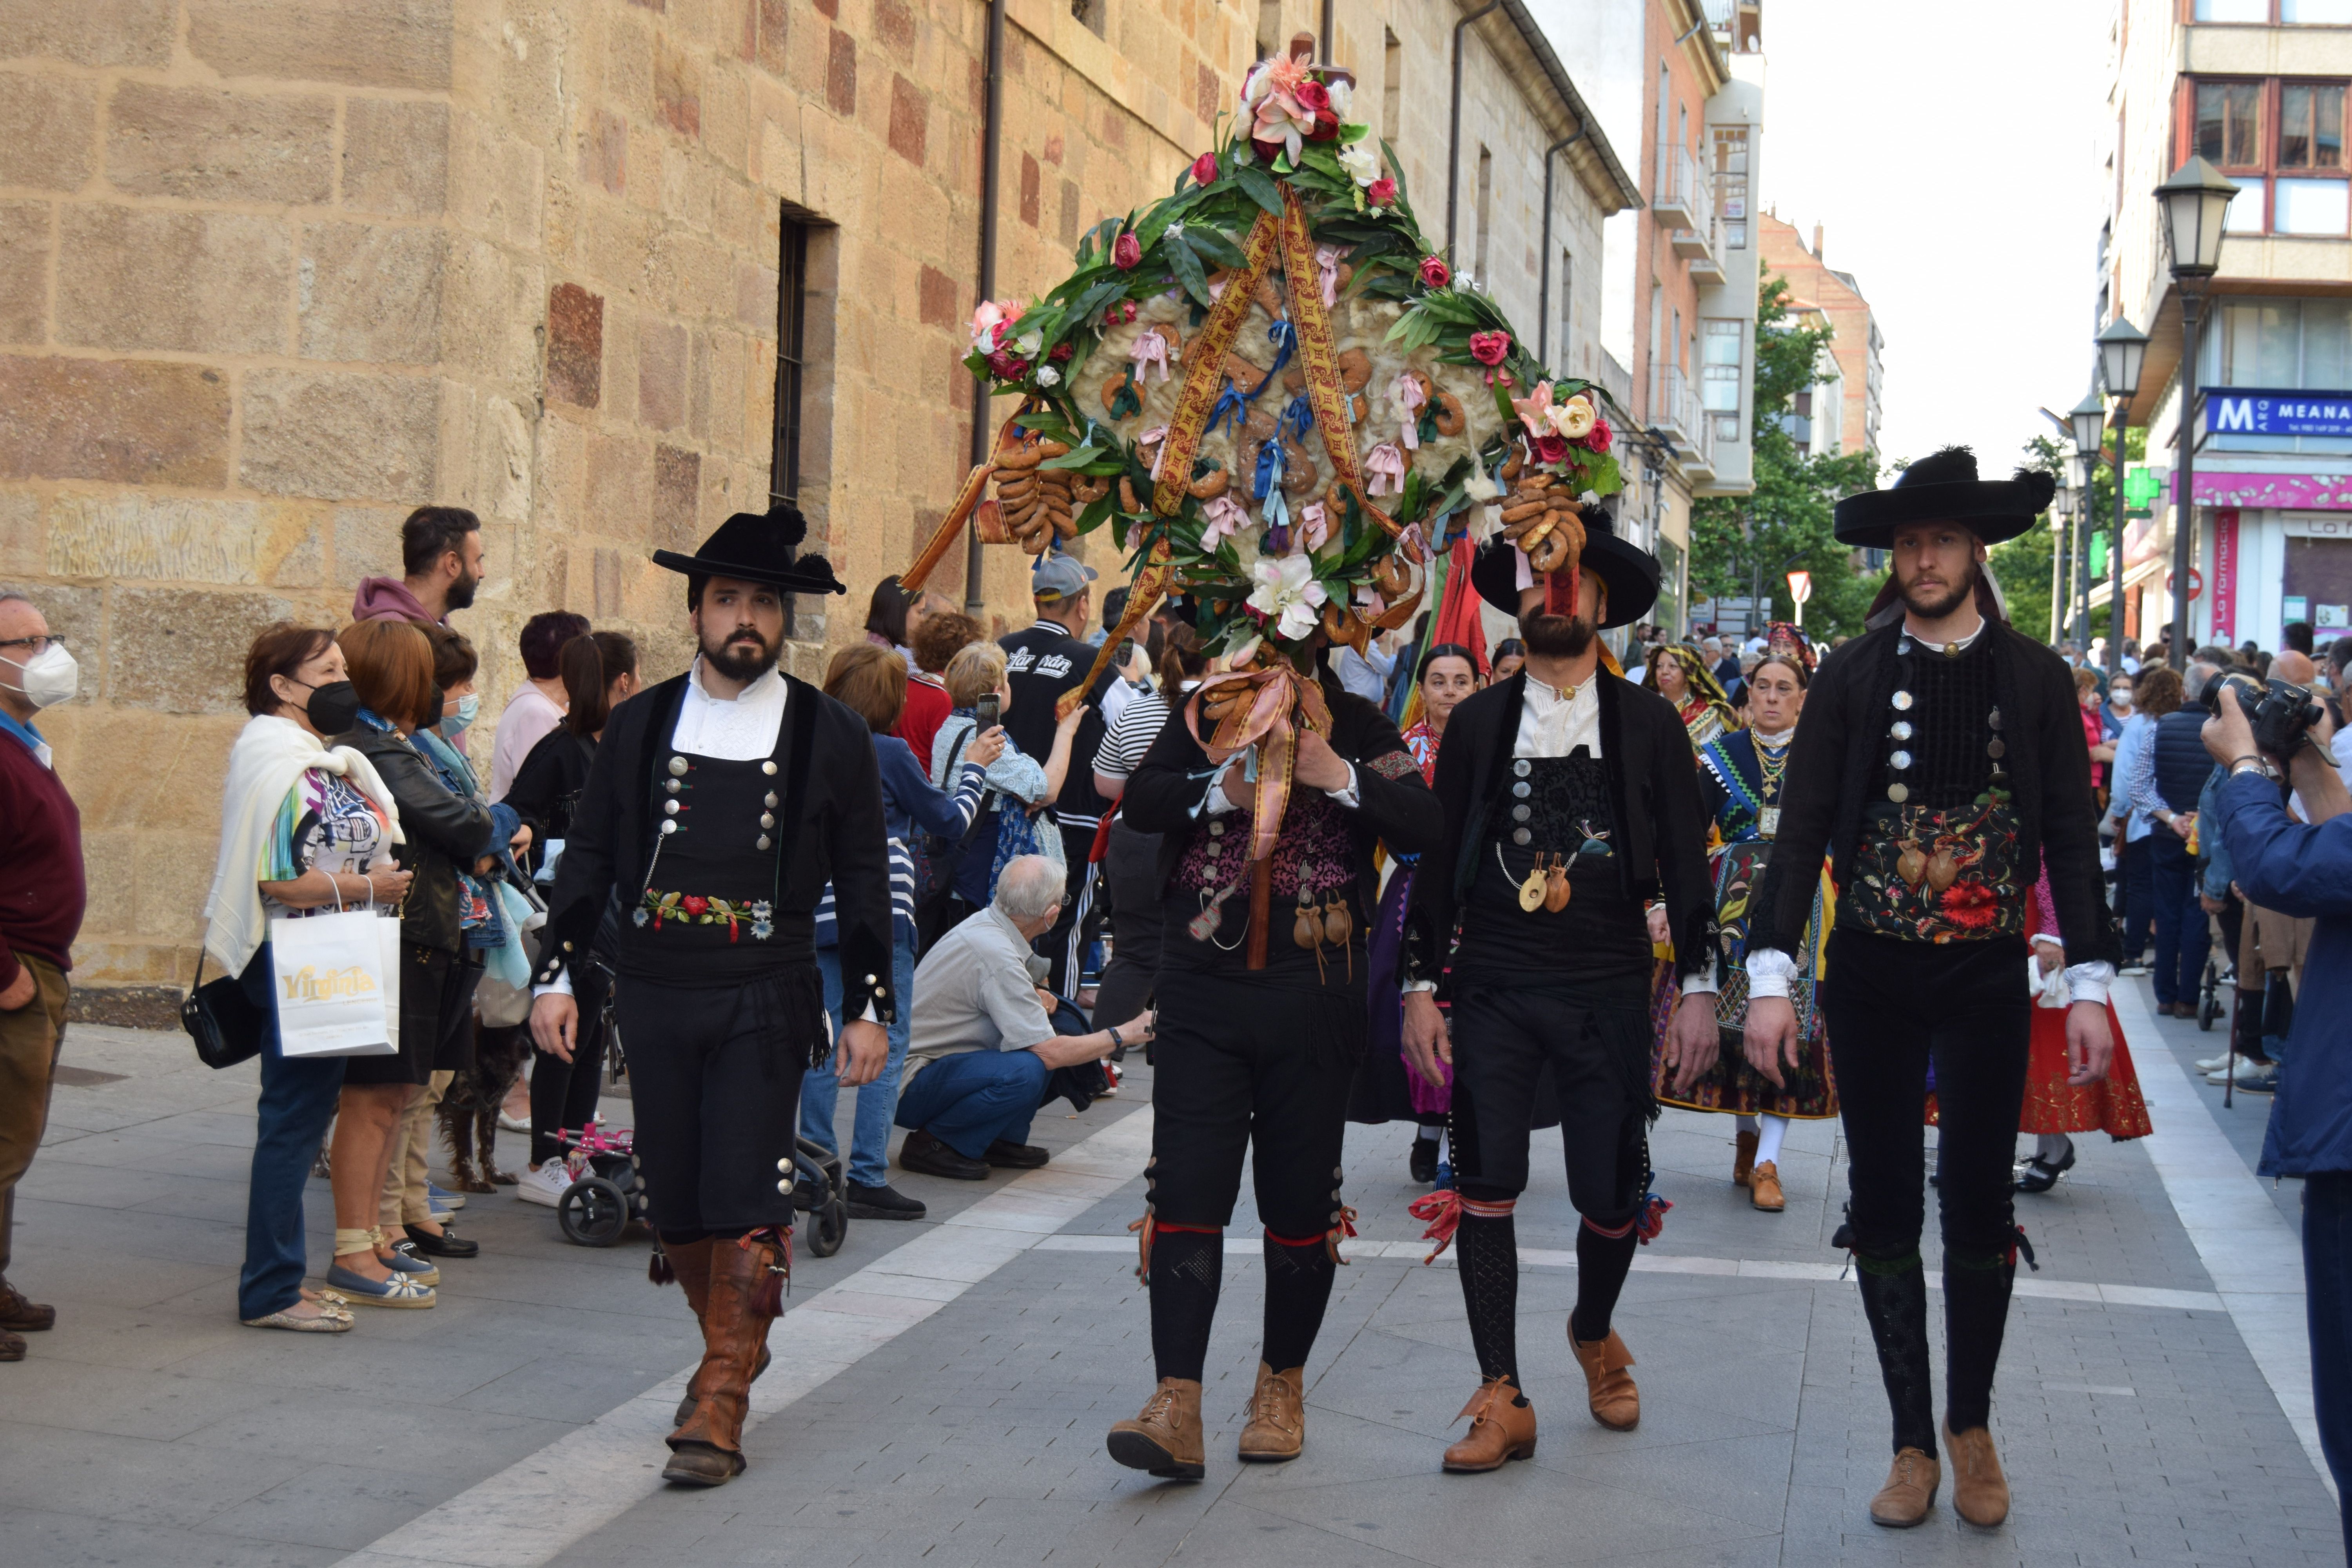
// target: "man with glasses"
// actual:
[[41, 898]]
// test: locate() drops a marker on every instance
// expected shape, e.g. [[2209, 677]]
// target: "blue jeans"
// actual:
[[869, 1145], [2134, 894], [2328, 1283], [2182, 936], [297, 1100], [970, 1099]]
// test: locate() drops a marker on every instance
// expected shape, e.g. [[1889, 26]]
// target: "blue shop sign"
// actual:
[[2261, 411]]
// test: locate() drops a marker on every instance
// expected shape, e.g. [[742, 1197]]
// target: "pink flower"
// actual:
[[1313, 96], [1127, 250], [1007, 368], [1204, 169], [1488, 348], [1382, 192], [1600, 436], [1552, 449], [1436, 273]]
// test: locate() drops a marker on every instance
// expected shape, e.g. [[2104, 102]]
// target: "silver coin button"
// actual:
[[1898, 792], [1901, 730], [1520, 836], [1898, 758], [1523, 789], [678, 767], [1903, 702], [1522, 767], [1521, 813]]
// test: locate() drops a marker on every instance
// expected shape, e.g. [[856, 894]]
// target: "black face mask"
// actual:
[[334, 708]]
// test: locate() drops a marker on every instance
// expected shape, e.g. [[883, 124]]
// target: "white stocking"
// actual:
[[1768, 1141], [2052, 1147], [1745, 1123]]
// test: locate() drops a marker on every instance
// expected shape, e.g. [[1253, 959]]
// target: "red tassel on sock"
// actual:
[[657, 1268], [1442, 1210]]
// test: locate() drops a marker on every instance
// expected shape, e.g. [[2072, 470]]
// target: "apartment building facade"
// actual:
[[1842, 410], [2259, 88]]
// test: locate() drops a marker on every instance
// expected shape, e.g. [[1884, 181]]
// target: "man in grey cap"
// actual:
[[1041, 664]]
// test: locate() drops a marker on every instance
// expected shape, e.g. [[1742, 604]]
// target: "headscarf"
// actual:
[[1707, 711], [1787, 638]]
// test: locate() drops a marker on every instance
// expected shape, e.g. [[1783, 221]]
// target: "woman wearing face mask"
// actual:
[[447, 833], [1740, 779], [304, 828], [599, 672]]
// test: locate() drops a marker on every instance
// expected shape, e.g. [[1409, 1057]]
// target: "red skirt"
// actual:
[[2052, 1105]]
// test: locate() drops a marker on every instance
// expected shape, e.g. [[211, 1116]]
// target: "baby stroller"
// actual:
[[609, 1192]]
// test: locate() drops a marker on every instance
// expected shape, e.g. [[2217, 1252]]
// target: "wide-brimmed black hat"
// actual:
[[756, 547], [1631, 573], [1943, 487]]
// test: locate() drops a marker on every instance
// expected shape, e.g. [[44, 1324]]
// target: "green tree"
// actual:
[[1785, 525], [2027, 566]]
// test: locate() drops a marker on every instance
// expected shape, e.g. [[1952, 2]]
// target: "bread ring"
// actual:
[[1514, 461], [1066, 525], [1110, 391], [1053, 448], [1126, 501], [1246, 373], [1090, 488], [1209, 486], [1257, 425], [1549, 554], [1520, 511], [1268, 297], [1450, 418], [1020, 457], [1355, 370]]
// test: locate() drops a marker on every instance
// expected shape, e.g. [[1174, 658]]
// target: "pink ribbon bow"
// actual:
[[1221, 518], [1155, 436], [1326, 265], [1314, 526], [1384, 470], [1150, 348], [1404, 395]]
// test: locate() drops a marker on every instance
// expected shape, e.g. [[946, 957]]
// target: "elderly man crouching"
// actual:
[[983, 1046]]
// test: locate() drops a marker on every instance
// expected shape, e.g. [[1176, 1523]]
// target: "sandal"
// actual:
[[329, 1321], [400, 1290]]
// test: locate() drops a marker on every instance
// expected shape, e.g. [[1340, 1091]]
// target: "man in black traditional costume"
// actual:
[[1938, 760], [719, 804], [1571, 804]]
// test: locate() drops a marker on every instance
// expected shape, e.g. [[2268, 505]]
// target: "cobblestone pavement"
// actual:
[[941, 1389]]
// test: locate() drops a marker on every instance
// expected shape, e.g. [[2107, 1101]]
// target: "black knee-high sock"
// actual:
[[1895, 1299], [1187, 1267], [1298, 1277], [1487, 1255], [1976, 1313], [1602, 1262]]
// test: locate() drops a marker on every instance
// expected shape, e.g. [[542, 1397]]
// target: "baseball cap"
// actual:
[[1059, 576]]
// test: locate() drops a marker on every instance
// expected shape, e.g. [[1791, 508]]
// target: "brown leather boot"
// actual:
[[1909, 1493], [707, 1451], [1980, 1491], [1277, 1428], [1764, 1188], [1616, 1403], [1501, 1430], [1743, 1157], [689, 1264], [21, 1316], [1164, 1438]]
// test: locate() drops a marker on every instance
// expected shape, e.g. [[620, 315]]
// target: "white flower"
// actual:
[[1363, 164], [1572, 418], [1027, 344], [1342, 95], [1048, 376], [1236, 658], [1288, 595], [1256, 84], [1174, 228]]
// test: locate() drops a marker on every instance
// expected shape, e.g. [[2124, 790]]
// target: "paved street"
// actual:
[[940, 1390]]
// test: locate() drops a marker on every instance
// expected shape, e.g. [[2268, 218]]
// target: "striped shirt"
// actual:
[[1131, 734], [909, 805]]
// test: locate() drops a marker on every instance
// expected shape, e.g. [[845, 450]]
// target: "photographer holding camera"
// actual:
[[2303, 870]]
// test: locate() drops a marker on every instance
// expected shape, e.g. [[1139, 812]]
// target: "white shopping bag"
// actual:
[[336, 981]]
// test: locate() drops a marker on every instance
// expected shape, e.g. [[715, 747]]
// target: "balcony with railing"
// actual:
[[1685, 206], [1676, 412]]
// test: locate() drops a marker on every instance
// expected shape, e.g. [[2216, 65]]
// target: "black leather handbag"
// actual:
[[223, 1021]]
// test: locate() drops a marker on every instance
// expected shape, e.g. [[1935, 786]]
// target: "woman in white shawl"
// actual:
[[303, 828]]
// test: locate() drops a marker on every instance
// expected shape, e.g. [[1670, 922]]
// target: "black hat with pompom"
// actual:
[[1943, 487], [756, 547]]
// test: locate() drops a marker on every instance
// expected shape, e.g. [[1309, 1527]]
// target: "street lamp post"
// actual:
[[2087, 417], [2192, 201], [2122, 348], [2065, 505]]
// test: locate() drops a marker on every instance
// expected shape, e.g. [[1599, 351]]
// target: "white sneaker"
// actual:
[[2133, 969], [516, 1124], [2213, 1064], [2251, 1075], [544, 1185]]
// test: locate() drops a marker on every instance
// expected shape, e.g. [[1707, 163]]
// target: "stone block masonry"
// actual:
[[274, 273]]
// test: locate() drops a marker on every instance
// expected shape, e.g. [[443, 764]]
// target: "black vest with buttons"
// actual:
[[713, 891], [1553, 810]]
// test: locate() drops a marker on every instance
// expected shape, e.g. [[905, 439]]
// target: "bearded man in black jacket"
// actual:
[[1941, 764]]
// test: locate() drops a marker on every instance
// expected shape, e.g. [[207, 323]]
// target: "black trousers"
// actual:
[[1130, 874], [1891, 1007], [1080, 921], [1248, 1064], [564, 1095], [1598, 1048], [716, 1071]]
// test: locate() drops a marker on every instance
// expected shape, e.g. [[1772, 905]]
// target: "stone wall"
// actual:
[[272, 272]]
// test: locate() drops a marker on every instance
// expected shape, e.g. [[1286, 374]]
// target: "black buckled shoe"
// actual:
[[884, 1202], [923, 1153], [1015, 1156], [447, 1244], [2039, 1176]]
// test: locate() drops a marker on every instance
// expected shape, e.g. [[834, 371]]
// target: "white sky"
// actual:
[[1949, 156]]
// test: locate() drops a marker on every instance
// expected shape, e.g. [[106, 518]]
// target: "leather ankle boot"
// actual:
[[1164, 1438], [1743, 1157], [1980, 1491], [1910, 1491], [1501, 1430], [1276, 1428], [1764, 1188], [1616, 1403], [707, 1449]]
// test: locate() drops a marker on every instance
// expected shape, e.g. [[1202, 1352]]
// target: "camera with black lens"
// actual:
[[2281, 711]]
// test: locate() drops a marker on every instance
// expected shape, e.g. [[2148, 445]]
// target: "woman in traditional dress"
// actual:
[[1739, 777], [1678, 672], [1387, 1088]]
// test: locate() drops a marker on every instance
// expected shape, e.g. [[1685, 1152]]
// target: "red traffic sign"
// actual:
[[2196, 584]]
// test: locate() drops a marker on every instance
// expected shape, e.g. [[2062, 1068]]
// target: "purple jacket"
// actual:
[[388, 599]]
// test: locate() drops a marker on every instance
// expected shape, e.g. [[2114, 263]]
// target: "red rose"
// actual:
[[1489, 348], [1127, 250], [1327, 127], [694, 904], [1382, 192], [1204, 169], [1552, 449], [1267, 151], [1970, 904], [1007, 368], [1313, 96], [1600, 436], [1436, 273], [1060, 352]]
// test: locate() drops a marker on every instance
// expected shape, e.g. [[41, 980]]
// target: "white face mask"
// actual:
[[48, 678]]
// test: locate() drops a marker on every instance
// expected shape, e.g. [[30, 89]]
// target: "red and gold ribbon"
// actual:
[[1204, 366], [1150, 586]]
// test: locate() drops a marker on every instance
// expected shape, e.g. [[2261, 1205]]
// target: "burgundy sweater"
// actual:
[[41, 888]]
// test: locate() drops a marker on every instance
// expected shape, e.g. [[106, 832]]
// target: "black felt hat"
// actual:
[[1943, 487], [1631, 573], [759, 548]]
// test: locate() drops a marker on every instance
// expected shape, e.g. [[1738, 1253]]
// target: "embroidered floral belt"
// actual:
[[1935, 876], [657, 909]]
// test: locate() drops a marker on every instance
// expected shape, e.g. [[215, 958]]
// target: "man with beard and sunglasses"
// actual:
[[441, 557], [1938, 762], [719, 804], [1570, 804]]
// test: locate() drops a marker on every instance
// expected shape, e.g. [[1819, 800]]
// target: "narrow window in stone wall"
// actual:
[[792, 321], [1485, 213], [1731, 183], [1089, 14], [1392, 88]]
